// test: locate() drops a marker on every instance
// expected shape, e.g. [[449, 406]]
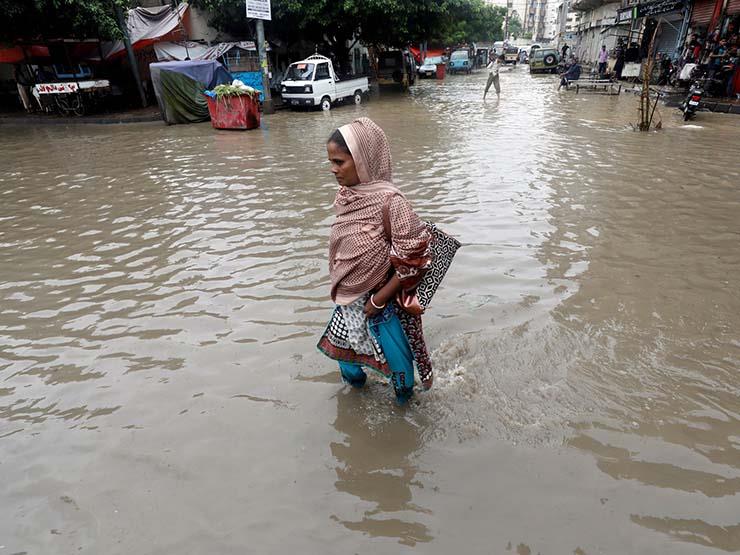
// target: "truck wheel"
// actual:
[[326, 104], [358, 97]]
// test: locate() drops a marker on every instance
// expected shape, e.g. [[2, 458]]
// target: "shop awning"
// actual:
[[14, 54], [172, 51], [431, 53], [147, 26]]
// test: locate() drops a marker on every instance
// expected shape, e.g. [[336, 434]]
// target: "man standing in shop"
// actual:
[[603, 57]]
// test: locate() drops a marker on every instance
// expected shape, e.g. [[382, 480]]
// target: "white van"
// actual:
[[313, 82]]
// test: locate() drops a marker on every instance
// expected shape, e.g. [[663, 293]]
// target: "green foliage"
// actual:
[[233, 90], [515, 26], [33, 19], [390, 23]]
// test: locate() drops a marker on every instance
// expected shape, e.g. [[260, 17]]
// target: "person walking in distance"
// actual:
[[603, 57], [493, 68]]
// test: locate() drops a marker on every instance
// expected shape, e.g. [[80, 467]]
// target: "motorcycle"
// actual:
[[691, 104], [667, 72]]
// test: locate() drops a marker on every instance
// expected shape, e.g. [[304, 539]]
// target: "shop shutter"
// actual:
[[701, 13], [668, 38], [733, 7]]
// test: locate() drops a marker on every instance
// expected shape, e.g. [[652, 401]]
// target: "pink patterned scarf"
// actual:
[[359, 252]]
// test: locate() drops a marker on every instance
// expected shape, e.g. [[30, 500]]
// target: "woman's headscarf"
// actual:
[[359, 252]]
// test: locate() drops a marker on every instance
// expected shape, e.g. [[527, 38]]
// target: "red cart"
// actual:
[[234, 111]]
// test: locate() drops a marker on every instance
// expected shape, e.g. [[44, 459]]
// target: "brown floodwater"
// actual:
[[162, 290]]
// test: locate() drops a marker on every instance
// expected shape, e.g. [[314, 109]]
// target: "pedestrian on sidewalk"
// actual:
[[493, 68], [603, 57], [378, 247]]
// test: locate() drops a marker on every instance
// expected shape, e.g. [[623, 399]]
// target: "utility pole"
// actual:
[[509, 4], [130, 52], [267, 106], [563, 22]]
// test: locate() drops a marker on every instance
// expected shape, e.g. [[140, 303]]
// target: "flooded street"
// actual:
[[162, 290]]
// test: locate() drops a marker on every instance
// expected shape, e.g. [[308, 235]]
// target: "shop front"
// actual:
[[713, 42], [667, 20]]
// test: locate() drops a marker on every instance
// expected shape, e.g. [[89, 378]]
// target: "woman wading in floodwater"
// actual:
[[369, 269]]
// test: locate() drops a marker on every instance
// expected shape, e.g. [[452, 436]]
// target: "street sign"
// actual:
[[259, 9]]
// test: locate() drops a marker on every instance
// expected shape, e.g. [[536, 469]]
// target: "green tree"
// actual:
[[374, 22], [515, 26], [33, 19]]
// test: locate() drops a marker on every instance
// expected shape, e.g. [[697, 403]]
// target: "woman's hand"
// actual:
[[370, 310], [386, 294]]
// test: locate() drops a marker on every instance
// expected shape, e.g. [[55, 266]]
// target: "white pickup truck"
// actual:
[[313, 82]]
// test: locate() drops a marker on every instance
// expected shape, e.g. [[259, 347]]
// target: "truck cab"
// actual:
[[313, 82], [396, 68]]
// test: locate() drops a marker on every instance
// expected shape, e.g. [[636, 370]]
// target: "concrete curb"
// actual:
[[98, 120]]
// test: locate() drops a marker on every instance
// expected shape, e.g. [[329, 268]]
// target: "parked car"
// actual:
[[313, 82], [397, 68], [511, 55], [532, 48], [460, 61], [544, 60], [429, 67]]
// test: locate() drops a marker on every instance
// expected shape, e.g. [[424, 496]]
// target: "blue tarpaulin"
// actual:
[[251, 78], [178, 87]]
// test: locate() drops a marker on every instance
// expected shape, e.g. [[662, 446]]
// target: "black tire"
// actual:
[[686, 115], [326, 104], [357, 97], [550, 59]]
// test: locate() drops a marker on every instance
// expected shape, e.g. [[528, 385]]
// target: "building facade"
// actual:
[[596, 27]]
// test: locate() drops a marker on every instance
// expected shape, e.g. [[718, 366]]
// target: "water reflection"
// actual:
[[621, 464], [375, 465], [645, 258], [726, 538]]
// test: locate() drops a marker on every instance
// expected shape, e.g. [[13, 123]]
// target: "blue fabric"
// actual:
[[387, 330], [208, 72], [352, 374], [250, 78]]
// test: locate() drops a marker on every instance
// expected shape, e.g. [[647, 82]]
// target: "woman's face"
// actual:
[[342, 165]]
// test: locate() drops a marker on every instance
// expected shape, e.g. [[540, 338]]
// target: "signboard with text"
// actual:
[[259, 9], [624, 15], [658, 7]]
